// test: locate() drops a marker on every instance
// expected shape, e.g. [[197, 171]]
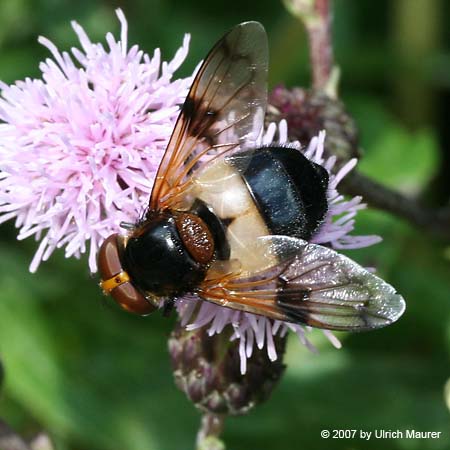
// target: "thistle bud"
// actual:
[[309, 111], [207, 369]]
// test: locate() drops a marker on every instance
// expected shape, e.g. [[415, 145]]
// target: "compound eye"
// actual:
[[116, 281], [109, 256], [130, 299]]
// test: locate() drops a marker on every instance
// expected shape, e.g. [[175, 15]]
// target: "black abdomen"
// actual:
[[288, 189]]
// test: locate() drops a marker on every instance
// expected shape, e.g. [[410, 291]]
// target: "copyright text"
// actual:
[[379, 434]]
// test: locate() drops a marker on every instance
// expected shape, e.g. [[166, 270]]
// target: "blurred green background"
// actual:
[[96, 378]]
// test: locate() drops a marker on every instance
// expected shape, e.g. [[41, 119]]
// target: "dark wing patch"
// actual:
[[224, 111], [311, 285]]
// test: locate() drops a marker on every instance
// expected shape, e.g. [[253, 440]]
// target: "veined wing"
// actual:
[[311, 285], [223, 112]]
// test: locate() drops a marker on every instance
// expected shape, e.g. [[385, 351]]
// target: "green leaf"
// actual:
[[402, 159]]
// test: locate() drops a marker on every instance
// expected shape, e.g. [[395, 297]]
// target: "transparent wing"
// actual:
[[224, 110], [309, 284]]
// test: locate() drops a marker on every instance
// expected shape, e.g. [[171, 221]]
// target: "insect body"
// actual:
[[230, 220]]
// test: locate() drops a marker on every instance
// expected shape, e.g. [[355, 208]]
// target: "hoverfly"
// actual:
[[230, 222]]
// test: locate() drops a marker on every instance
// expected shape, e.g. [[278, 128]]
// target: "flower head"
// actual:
[[79, 147]]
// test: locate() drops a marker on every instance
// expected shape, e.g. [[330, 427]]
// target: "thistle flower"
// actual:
[[79, 150], [79, 147]]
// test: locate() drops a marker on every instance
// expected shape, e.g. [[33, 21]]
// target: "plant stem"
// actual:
[[210, 429], [316, 17], [434, 221], [321, 49]]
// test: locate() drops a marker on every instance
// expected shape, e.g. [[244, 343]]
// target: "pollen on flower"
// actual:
[[339, 222], [80, 146]]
